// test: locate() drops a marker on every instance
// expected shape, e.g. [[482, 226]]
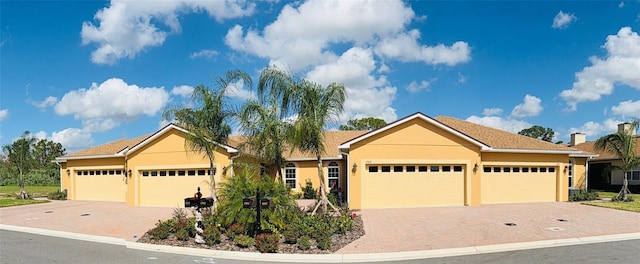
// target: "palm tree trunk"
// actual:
[[622, 195], [212, 183], [23, 194], [323, 192]]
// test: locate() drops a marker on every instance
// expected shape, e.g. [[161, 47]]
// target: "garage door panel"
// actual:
[[518, 187], [413, 189], [100, 188]]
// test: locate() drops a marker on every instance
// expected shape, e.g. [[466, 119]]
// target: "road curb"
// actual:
[[328, 258]]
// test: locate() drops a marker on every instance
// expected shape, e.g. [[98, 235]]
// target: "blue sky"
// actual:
[[84, 73]]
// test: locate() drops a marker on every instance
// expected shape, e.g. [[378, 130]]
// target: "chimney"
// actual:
[[578, 138], [626, 128]]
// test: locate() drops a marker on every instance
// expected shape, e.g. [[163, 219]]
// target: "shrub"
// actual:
[[308, 192], [583, 195], [57, 195], [179, 214], [291, 234], [182, 234], [234, 230], [323, 241], [618, 198], [343, 224], [304, 242], [267, 243], [211, 235], [244, 241], [161, 231]]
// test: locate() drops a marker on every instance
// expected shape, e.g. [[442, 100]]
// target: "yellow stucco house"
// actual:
[[416, 161]]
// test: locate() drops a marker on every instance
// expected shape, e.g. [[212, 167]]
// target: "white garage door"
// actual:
[[518, 184], [100, 185], [404, 186]]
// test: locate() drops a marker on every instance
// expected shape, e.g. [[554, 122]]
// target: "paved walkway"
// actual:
[[468, 229]]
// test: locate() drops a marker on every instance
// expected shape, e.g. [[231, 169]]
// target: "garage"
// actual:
[[518, 184], [413, 185], [100, 185]]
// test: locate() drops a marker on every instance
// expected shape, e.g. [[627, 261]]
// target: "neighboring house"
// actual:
[[416, 161], [601, 172]]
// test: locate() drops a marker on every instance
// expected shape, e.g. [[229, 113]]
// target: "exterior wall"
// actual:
[[579, 173], [413, 142], [168, 152], [617, 177], [109, 188], [308, 170]]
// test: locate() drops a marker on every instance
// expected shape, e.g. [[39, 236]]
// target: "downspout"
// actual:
[[348, 177]]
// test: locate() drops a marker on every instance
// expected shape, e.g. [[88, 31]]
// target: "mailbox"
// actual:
[[189, 202], [248, 202], [265, 202], [206, 202]]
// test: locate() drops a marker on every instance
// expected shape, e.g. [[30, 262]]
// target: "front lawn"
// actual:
[[12, 191], [6, 202], [627, 206]]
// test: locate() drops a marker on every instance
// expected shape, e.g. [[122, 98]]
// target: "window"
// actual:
[[411, 168], [552, 169], [486, 169], [534, 169], [397, 168], [496, 169], [163, 173], [543, 169], [112, 172], [118, 172], [191, 173], [422, 168], [446, 168], [85, 173], [506, 169], [385, 168], [457, 168], [172, 173], [435, 168], [516, 169], [333, 175], [78, 173], [145, 174], [570, 173], [92, 172], [201, 172], [154, 173], [290, 175], [633, 175], [104, 172], [525, 169], [373, 168], [181, 173]]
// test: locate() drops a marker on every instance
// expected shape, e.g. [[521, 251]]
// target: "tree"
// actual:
[[316, 107], [538, 132], [207, 123], [19, 158], [44, 152], [367, 123], [623, 145]]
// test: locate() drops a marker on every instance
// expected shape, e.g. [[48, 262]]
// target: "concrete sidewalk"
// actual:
[[391, 234]]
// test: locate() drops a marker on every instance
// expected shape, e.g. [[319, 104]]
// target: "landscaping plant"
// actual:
[[267, 243]]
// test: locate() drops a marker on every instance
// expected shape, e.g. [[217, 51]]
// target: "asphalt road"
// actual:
[[19, 248]]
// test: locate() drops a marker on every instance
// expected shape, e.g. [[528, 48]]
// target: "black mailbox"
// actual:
[[248, 202], [265, 202], [189, 202], [206, 202]]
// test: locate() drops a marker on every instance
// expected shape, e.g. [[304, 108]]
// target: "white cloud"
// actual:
[[301, 36], [621, 4], [510, 125], [106, 105], [594, 130], [367, 95], [4, 114], [49, 101], [492, 111], [206, 54], [182, 90], [415, 87], [126, 28], [404, 46], [530, 107], [462, 78], [562, 20], [163, 123], [73, 139], [238, 90], [40, 135], [620, 66], [627, 109]]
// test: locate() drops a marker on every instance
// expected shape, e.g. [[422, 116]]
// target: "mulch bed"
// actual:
[[338, 241]]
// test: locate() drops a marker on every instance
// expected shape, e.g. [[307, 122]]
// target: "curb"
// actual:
[[329, 258]]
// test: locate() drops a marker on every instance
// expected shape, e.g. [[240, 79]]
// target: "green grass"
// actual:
[[627, 206], [35, 191], [6, 202]]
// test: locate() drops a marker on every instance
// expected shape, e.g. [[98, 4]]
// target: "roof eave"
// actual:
[[538, 151], [64, 159], [164, 130]]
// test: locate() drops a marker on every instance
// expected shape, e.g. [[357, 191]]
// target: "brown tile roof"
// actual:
[[498, 139], [110, 148], [604, 155]]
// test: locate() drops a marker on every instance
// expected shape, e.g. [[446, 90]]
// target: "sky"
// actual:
[[84, 73]]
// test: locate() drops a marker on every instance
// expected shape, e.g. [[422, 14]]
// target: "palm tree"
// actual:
[[20, 157], [207, 124], [316, 107], [622, 144]]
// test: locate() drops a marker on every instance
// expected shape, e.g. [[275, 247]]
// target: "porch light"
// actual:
[[475, 167], [566, 167], [68, 172], [129, 173], [355, 166]]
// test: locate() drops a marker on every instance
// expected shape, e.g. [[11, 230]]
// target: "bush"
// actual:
[[583, 195], [291, 234], [161, 231], [343, 224], [308, 192], [244, 241], [179, 214], [304, 242], [617, 198], [182, 234], [234, 230], [323, 241], [267, 243], [211, 235], [57, 195]]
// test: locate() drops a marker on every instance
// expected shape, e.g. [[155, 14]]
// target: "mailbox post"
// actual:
[[258, 203], [197, 202]]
